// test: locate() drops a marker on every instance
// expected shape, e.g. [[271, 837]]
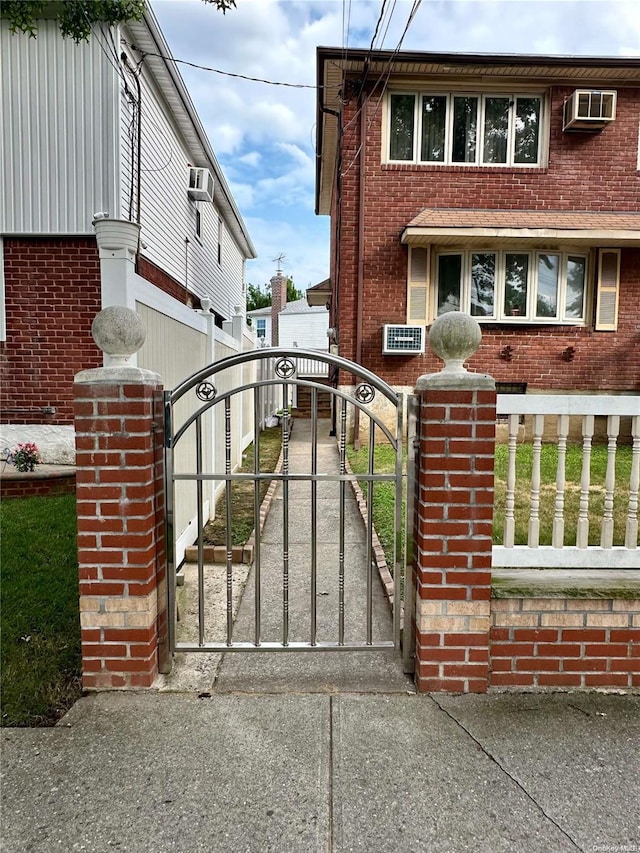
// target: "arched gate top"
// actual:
[[282, 352]]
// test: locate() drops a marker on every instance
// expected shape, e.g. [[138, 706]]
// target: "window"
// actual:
[[512, 286], [452, 129], [261, 327], [198, 224]]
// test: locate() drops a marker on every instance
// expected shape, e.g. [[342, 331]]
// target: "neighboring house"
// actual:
[[105, 129], [303, 325], [261, 324], [507, 187], [291, 324]]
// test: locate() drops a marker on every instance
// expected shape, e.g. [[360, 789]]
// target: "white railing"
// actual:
[[311, 367], [567, 410]]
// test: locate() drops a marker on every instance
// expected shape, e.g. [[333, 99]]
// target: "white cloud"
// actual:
[[251, 158], [263, 135]]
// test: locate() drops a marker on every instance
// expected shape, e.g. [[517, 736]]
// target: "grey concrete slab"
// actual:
[[196, 672], [576, 754], [407, 777], [163, 772], [327, 519]]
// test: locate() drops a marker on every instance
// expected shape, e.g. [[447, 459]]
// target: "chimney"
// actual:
[[278, 301]]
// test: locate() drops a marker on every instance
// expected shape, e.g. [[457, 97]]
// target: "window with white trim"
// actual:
[[261, 327], [499, 285], [536, 287], [465, 129]]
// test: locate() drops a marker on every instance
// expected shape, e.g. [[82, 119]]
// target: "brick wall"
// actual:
[[589, 172], [453, 530], [26, 487], [121, 552], [148, 270], [564, 643], [52, 294]]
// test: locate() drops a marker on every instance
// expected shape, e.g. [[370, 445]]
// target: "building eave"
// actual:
[[334, 64], [147, 38], [506, 237]]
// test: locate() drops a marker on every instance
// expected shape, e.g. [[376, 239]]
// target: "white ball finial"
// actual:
[[119, 332], [454, 337]]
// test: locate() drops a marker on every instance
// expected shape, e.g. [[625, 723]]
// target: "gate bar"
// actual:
[[169, 529], [370, 496], [200, 523], [314, 508], [343, 450], [227, 464], [256, 512], [398, 551], [285, 515]]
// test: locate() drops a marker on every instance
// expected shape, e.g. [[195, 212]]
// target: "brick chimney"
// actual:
[[278, 301]]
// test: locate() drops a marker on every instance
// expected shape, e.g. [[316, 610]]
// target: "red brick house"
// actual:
[[504, 186], [88, 133]]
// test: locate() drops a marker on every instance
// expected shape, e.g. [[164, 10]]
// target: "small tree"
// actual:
[[257, 298], [76, 17]]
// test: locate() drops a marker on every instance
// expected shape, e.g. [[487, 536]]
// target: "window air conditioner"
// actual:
[[200, 184], [402, 340], [589, 109]]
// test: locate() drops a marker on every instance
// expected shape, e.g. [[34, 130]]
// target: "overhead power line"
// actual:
[[224, 73]]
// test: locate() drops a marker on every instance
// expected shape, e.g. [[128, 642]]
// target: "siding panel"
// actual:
[[58, 143]]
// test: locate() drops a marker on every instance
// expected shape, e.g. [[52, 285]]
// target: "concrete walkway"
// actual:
[[327, 773], [285, 753]]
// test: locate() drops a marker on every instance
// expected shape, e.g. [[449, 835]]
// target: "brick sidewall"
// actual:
[[26, 488], [586, 172], [121, 551], [453, 539], [52, 294], [564, 643]]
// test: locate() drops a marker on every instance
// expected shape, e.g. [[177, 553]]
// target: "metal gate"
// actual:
[[271, 381]]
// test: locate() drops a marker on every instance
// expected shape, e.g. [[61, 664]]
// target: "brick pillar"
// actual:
[[454, 514], [120, 501], [278, 301]]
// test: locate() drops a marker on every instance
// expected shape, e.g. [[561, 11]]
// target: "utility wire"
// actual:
[[386, 74], [224, 73]]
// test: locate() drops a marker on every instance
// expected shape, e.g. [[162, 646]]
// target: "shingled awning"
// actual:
[[546, 229]]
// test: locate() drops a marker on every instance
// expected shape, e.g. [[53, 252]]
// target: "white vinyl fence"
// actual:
[[566, 411]]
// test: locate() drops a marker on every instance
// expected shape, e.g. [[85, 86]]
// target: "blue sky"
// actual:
[[264, 136]]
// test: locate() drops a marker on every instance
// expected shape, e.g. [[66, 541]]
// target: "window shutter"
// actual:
[[608, 289], [417, 285]]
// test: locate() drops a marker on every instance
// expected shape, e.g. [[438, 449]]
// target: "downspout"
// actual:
[[335, 373], [361, 172]]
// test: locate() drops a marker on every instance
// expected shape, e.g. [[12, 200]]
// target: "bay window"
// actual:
[[509, 286], [458, 129]]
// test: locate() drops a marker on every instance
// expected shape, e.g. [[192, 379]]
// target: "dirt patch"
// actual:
[[243, 494]]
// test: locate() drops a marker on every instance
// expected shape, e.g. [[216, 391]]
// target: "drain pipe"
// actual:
[[362, 100]]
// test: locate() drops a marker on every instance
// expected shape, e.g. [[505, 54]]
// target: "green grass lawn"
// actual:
[[384, 462], [40, 626]]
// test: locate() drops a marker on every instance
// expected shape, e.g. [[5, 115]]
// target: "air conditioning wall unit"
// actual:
[[402, 339], [200, 184], [589, 109]]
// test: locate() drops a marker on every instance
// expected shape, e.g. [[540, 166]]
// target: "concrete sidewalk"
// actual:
[[328, 773], [327, 752]]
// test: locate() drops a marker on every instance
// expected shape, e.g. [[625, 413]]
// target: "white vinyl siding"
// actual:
[[58, 145], [307, 330], [168, 215], [608, 287]]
